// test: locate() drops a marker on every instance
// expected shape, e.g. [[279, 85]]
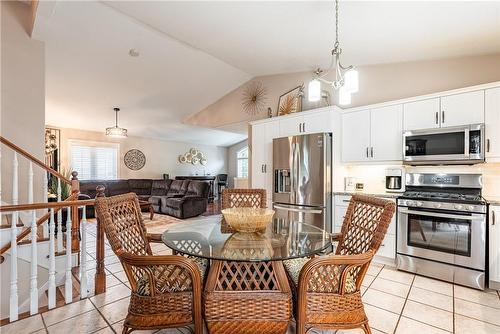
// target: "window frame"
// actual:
[[241, 159]]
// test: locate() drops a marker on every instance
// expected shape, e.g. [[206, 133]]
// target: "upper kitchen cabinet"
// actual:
[[316, 122], [356, 136], [494, 249], [422, 114], [462, 109], [373, 134], [492, 123], [386, 131]]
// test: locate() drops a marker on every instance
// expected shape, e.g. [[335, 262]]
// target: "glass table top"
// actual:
[[213, 239]]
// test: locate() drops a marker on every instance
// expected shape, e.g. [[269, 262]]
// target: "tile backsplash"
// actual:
[[373, 176]]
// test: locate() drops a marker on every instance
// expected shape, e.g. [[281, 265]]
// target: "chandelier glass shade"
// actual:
[[116, 131], [346, 78]]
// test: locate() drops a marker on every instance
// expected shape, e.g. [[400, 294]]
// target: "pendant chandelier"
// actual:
[[346, 78], [116, 131]]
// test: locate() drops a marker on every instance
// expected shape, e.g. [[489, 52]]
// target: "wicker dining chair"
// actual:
[[327, 288], [166, 289]]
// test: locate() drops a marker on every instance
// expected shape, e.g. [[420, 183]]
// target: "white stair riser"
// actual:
[[24, 253]]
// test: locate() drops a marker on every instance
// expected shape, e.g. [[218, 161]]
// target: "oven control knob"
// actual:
[[410, 203], [458, 206], [437, 205], [470, 208], [419, 203]]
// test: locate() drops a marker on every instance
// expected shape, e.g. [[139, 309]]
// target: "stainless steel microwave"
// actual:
[[452, 145]]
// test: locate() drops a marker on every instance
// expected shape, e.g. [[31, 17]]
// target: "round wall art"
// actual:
[[134, 159]]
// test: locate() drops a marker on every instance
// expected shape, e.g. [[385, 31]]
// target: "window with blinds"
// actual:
[[94, 162], [242, 161]]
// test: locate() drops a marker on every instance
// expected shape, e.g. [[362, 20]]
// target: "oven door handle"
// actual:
[[442, 215]]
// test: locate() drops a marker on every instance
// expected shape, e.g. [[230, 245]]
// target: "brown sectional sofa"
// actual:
[[178, 198]]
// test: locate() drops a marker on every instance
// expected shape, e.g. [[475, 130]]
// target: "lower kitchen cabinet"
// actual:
[[494, 246], [387, 249]]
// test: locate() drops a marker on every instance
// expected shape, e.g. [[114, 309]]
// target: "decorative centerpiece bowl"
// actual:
[[248, 219]]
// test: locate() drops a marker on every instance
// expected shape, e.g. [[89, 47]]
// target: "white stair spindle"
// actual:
[[45, 227], [13, 311], [52, 262], [34, 267], [83, 255], [68, 285], [59, 219]]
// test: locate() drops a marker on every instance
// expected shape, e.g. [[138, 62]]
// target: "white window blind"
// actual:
[[94, 162], [242, 159]]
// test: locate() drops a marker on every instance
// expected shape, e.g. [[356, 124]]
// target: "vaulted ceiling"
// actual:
[[193, 53]]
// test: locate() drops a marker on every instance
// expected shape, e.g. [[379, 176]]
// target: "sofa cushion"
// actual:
[[198, 188], [89, 187], [140, 186], [117, 187], [178, 187], [175, 203], [160, 187]]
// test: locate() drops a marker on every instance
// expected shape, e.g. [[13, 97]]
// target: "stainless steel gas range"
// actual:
[[442, 228]]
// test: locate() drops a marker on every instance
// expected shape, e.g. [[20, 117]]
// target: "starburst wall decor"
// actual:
[[254, 98]]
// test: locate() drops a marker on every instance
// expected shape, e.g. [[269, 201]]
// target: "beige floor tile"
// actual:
[[115, 311], [410, 326], [476, 296], [429, 315], [67, 311], [112, 294], [431, 298], [465, 325], [106, 330], [433, 285], [396, 276], [28, 325], [114, 268], [394, 288], [84, 323], [351, 331], [118, 327], [367, 280], [384, 300], [374, 269], [477, 311], [121, 276], [111, 280], [381, 320]]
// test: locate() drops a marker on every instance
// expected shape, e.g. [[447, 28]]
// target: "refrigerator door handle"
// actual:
[[287, 208]]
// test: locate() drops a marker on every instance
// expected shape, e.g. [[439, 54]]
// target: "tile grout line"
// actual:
[[404, 305], [453, 294], [102, 315], [44, 324]]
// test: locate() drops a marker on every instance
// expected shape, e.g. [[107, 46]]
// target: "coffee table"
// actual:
[[145, 205]]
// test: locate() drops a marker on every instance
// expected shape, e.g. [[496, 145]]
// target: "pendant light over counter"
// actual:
[[346, 79], [116, 131]]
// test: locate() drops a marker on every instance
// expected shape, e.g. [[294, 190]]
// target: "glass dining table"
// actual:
[[246, 289]]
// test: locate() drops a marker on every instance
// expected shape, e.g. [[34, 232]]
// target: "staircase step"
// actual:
[[27, 242], [4, 226]]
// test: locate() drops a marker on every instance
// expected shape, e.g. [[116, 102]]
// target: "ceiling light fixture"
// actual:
[[116, 131], [346, 78]]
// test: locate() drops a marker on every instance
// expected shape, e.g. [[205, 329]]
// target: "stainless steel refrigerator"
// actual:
[[302, 178]]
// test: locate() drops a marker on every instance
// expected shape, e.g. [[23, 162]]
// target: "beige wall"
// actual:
[[232, 168], [161, 155], [378, 83], [22, 96]]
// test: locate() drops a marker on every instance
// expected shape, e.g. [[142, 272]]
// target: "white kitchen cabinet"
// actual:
[[290, 126], [262, 155], [386, 133], [494, 248], [462, 109], [492, 122], [422, 114], [356, 136]]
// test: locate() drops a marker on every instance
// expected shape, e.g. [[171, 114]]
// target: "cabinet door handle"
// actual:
[[367, 152], [442, 116], [493, 218], [437, 117], [303, 127], [487, 145], [265, 168], [300, 127], [371, 151], [262, 168]]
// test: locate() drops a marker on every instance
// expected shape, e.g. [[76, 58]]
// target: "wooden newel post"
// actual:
[[75, 217], [100, 275]]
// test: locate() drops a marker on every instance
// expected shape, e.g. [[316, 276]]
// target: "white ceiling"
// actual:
[[275, 37], [193, 53]]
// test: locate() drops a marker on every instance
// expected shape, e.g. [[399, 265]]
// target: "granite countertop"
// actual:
[[495, 200], [350, 193]]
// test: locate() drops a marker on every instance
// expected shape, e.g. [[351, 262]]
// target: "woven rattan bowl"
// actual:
[[248, 219]]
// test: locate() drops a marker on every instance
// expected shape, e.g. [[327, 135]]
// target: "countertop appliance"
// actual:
[[442, 228], [395, 180], [452, 145], [302, 178]]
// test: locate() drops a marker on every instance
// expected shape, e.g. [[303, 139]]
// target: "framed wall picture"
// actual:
[[291, 101]]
